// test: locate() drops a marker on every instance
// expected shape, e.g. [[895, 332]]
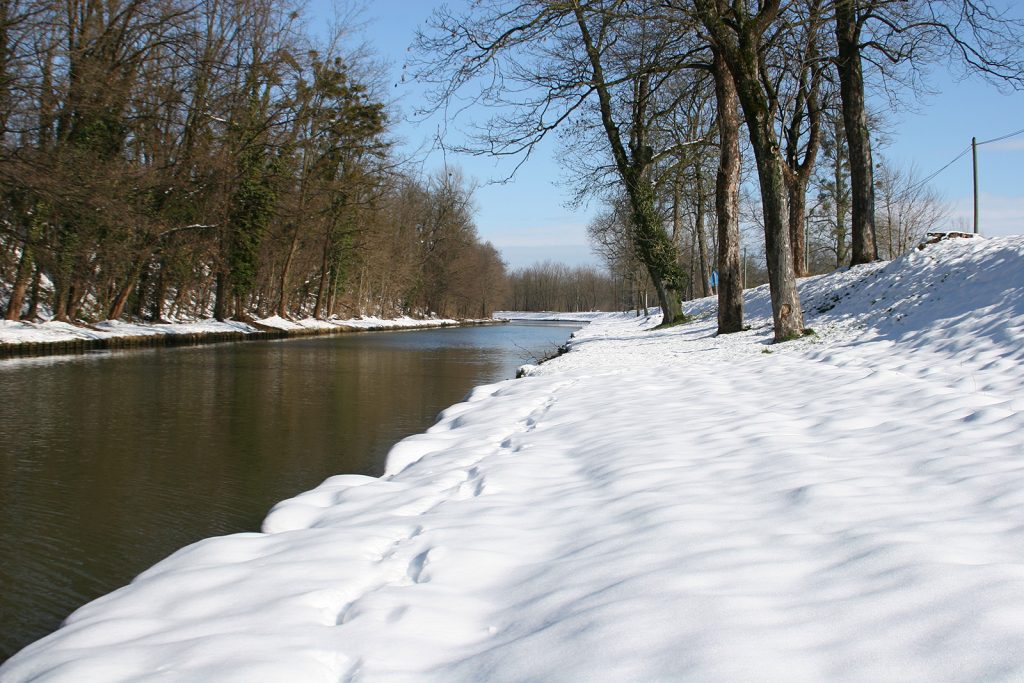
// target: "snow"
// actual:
[[363, 323], [18, 332], [653, 505], [549, 316]]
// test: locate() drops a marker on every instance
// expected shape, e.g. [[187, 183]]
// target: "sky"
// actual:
[[528, 218]]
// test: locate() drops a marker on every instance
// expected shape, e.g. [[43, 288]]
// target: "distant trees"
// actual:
[[609, 237], [164, 158], [905, 209], [552, 286]]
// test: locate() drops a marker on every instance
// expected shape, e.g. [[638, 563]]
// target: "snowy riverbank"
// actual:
[[654, 505], [18, 337], [549, 316]]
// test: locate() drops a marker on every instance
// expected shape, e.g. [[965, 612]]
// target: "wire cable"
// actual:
[[931, 177], [1002, 137], [921, 183]]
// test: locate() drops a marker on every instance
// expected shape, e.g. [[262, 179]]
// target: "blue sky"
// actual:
[[527, 218]]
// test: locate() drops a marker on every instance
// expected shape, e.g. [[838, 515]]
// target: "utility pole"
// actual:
[[974, 154]]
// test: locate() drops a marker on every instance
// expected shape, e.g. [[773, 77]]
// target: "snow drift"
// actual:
[[653, 505]]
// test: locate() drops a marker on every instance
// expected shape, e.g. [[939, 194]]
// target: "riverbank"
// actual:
[[18, 338], [652, 505], [582, 317]]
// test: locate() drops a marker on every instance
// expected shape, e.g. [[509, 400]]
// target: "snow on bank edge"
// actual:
[[551, 316], [20, 332]]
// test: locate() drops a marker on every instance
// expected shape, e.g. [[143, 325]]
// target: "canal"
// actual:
[[109, 462]]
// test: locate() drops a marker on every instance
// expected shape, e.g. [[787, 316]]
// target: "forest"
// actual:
[[171, 159]]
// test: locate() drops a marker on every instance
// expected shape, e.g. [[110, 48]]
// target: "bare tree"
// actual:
[[802, 130], [906, 209], [548, 64], [974, 35]]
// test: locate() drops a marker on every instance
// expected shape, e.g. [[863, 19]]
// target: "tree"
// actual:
[[973, 35], [907, 209], [609, 236], [739, 37], [802, 132], [727, 200], [849, 22], [833, 207], [554, 60], [634, 165]]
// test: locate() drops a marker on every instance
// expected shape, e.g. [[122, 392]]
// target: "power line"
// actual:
[[1002, 137], [931, 177], [916, 186]]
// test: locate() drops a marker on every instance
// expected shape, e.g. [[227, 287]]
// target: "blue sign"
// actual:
[[714, 278]]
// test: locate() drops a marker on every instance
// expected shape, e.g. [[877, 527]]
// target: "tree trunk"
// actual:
[[139, 310], [677, 212], [156, 311], [75, 294], [62, 278], [786, 311], [727, 202], [221, 297], [134, 279], [60, 301], [797, 188], [321, 292], [691, 275], [858, 138], [332, 300], [698, 228], [21, 281], [117, 306], [651, 243], [33, 303], [806, 107], [282, 302]]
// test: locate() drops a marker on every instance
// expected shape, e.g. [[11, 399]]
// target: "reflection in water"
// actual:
[[109, 462]]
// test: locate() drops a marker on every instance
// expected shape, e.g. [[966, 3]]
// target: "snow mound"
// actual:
[[656, 504]]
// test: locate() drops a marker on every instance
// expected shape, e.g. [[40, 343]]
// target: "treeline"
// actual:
[[661, 103], [175, 158], [552, 286]]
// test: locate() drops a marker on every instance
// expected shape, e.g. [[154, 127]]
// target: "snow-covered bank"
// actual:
[[549, 316], [654, 505], [16, 336]]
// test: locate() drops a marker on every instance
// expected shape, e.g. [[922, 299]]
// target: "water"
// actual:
[[111, 461]]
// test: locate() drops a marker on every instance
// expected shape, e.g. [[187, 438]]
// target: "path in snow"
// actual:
[[654, 505]]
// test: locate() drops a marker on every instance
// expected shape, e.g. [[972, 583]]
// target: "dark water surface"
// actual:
[[109, 462]]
